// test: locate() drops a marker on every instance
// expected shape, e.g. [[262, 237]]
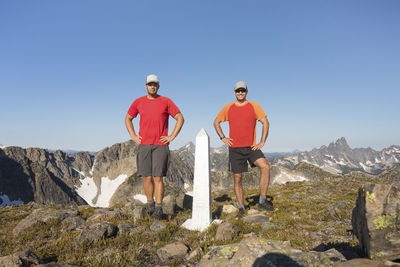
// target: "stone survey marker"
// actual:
[[201, 210]]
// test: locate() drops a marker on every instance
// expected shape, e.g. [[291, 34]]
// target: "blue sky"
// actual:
[[320, 69]]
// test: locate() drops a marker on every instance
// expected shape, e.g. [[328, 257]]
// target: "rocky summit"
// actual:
[[331, 221]]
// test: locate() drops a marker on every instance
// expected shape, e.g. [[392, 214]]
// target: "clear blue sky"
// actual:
[[69, 70]]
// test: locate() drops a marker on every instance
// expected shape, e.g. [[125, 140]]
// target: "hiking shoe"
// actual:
[[266, 206], [240, 214], [149, 208], [157, 214]]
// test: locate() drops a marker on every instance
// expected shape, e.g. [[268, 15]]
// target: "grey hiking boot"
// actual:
[[266, 206], [240, 214], [149, 208], [157, 214]]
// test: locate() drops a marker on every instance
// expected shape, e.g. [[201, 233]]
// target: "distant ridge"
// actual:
[[339, 158]]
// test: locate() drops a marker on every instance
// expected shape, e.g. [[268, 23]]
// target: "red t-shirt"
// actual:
[[153, 118], [242, 122]]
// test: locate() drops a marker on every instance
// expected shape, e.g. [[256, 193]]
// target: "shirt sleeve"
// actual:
[[133, 109], [172, 108], [223, 114], [258, 110]]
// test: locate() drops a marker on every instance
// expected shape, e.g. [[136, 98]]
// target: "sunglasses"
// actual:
[[240, 90]]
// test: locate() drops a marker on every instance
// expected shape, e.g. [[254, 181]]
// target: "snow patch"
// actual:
[[107, 189], [88, 190], [6, 201], [283, 178], [186, 186], [141, 198], [189, 193]]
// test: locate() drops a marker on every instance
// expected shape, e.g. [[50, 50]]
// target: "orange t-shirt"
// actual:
[[242, 122]]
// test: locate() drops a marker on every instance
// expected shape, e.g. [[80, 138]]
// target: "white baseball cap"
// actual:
[[240, 85], [152, 78]]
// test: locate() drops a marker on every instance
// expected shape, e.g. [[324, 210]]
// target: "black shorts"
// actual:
[[239, 156], [152, 160]]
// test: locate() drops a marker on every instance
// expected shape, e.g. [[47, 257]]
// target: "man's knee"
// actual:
[[237, 177], [146, 179], [158, 180], [263, 164]]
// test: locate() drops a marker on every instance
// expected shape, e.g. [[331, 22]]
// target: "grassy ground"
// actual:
[[308, 214]]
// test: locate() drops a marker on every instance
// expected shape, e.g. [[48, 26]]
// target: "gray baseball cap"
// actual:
[[152, 78], [240, 85]]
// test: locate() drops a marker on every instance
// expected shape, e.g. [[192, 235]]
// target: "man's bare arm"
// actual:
[[217, 126], [178, 126], [264, 135], [129, 126]]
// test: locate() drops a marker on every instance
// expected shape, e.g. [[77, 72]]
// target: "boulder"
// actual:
[[176, 250], [73, 223], [43, 215], [169, 203], [256, 218], [157, 226], [125, 228], [376, 220], [257, 251], [226, 232], [97, 231], [229, 209], [20, 258], [106, 215]]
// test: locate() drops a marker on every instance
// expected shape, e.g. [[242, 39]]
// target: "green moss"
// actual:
[[384, 221], [370, 196], [376, 255]]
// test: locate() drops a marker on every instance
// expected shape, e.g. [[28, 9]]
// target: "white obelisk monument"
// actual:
[[201, 210]]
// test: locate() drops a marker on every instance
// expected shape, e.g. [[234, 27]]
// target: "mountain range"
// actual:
[[108, 177], [339, 158]]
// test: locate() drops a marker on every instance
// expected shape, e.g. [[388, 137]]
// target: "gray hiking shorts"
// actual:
[[239, 156], [152, 160]]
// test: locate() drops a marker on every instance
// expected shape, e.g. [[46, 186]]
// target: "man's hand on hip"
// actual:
[[166, 139], [258, 146], [137, 139], [227, 141]]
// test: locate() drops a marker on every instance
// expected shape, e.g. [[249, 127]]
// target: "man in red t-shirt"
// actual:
[[153, 140], [243, 116]]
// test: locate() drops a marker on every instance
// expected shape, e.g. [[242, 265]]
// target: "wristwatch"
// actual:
[[222, 137]]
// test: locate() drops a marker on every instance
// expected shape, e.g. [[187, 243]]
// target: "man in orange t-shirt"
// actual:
[[243, 149]]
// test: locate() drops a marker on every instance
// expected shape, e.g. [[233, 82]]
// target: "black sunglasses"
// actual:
[[240, 90]]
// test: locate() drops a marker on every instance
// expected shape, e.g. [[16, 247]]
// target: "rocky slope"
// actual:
[[311, 226], [50, 178], [33, 174], [339, 158]]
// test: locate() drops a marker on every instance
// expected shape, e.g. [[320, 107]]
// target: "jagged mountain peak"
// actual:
[[189, 146], [340, 144]]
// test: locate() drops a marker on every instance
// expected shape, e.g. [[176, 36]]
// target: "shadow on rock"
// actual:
[[223, 198], [253, 200], [275, 259], [345, 249], [217, 213]]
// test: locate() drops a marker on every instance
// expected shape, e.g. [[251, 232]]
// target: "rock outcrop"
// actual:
[[53, 178], [257, 251], [33, 174], [376, 220]]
